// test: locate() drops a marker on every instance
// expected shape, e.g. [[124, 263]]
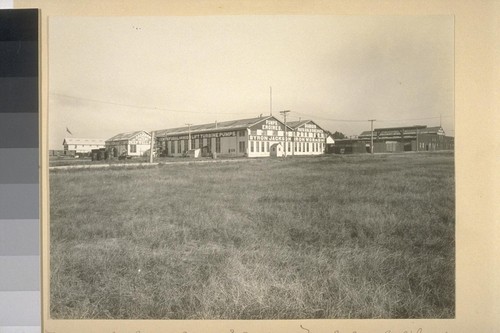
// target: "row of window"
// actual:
[[313, 147], [199, 144], [288, 134], [66, 147], [255, 146]]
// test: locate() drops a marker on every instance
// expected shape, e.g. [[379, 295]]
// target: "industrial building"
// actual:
[[397, 139], [77, 146], [254, 137], [128, 144]]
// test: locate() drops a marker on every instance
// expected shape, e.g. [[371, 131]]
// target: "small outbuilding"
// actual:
[[276, 150]]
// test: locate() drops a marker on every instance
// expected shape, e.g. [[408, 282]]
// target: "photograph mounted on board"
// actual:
[[251, 167]]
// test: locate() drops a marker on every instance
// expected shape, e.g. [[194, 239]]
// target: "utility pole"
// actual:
[[189, 135], [284, 115], [417, 140], [151, 146], [371, 144]]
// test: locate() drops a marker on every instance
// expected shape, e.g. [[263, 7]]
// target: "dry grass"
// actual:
[[316, 237]]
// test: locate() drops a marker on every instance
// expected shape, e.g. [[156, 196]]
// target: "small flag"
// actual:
[[67, 130]]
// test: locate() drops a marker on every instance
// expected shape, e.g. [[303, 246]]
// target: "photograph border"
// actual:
[[477, 299]]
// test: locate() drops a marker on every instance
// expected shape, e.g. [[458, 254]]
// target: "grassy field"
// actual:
[[315, 237]]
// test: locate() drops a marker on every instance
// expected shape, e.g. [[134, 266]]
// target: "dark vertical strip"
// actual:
[[20, 304]]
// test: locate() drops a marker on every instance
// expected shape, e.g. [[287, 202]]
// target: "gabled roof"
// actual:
[[126, 136], [400, 128], [212, 127], [297, 124], [83, 141], [432, 130], [330, 139]]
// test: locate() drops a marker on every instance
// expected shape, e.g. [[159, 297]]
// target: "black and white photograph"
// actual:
[[257, 167]]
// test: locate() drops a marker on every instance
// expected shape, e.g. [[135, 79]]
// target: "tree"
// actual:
[[338, 135]]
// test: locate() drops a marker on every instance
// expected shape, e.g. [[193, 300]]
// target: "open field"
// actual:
[[312, 237]]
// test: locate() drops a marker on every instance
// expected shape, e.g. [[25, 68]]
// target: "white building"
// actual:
[[81, 145], [308, 138], [254, 137], [129, 144]]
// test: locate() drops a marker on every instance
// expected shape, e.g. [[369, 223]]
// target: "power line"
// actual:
[[413, 119], [365, 120], [371, 137], [332, 119], [236, 113], [144, 107]]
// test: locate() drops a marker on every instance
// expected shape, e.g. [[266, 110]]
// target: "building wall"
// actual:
[[116, 148], [223, 143], [434, 142], [135, 146], [389, 146], [255, 141], [309, 139], [140, 149], [82, 148]]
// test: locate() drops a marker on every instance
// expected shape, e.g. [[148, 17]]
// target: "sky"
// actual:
[[109, 75]]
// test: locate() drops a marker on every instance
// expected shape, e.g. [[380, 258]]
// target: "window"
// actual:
[[209, 144], [133, 148], [179, 146], [242, 146], [288, 144], [262, 146], [257, 144], [186, 142], [172, 147], [217, 145], [267, 147], [251, 146], [242, 133]]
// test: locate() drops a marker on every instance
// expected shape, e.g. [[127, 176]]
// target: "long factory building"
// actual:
[[254, 137]]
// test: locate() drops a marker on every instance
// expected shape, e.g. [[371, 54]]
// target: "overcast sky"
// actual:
[[113, 75]]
